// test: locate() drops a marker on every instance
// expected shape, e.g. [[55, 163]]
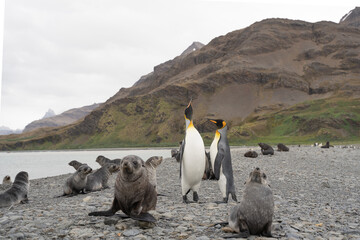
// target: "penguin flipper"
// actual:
[[217, 165], [181, 151]]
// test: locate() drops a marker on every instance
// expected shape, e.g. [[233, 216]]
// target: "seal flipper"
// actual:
[[145, 217], [217, 165], [114, 208]]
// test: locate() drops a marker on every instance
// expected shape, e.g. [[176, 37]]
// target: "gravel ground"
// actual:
[[316, 194]]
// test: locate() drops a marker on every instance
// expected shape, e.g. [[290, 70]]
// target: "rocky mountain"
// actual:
[[50, 119], [276, 80], [352, 18], [49, 113], [6, 131]]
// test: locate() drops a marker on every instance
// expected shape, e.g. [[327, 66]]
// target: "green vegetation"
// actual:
[[153, 122]]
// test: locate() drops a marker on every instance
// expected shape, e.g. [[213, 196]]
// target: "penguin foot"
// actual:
[[185, 200], [225, 200], [195, 197]]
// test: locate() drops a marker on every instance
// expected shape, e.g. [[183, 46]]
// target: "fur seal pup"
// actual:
[[151, 164], [254, 214], [251, 154], [266, 149], [99, 179], [209, 173], [282, 148], [103, 160], [75, 164], [134, 194], [327, 145], [77, 182], [176, 153], [18, 191], [7, 180]]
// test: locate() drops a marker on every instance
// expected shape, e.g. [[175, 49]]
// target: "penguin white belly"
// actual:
[[193, 162], [213, 153]]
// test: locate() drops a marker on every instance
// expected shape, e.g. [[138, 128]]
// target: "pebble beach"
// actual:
[[316, 194]]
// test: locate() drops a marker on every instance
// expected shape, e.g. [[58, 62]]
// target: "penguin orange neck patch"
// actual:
[[191, 125]]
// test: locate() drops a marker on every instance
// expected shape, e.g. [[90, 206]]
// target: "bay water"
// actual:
[[41, 164]]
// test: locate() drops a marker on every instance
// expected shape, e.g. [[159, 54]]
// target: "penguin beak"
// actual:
[[212, 121]]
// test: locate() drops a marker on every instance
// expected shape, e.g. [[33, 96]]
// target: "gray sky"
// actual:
[[62, 54]]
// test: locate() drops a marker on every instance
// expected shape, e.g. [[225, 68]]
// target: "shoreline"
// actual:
[[316, 196]]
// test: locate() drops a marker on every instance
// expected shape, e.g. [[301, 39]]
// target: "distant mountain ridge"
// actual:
[[50, 119], [276, 80], [352, 18]]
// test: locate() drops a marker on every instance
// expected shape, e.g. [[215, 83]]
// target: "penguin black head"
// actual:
[[189, 112], [219, 123]]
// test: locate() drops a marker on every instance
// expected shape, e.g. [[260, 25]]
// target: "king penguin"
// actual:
[[221, 161], [192, 158]]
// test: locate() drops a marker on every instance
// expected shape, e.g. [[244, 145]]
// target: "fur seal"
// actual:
[[327, 145], [266, 149], [209, 173], [18, 191], [103, 160], [75, 164], [77, 182], [7, 180], [251, 154], [99, 179], [151, 164], [134, 194], [254, 214], [282, 148]]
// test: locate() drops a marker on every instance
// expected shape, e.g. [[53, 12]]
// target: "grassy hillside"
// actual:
[[133, 125]]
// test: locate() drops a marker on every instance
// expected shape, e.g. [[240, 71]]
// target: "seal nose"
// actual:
[[258, 169]]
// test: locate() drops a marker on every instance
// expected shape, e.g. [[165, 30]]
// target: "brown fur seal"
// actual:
[[7, 180], [99, 179], [18, 191], [282, 148], [75, 164], [77, 182], [103, 160], [254, 214], [151, 164], [266, 149], [134, 194], [251, 154], [327, 145]]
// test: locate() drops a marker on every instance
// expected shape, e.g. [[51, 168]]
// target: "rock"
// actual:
[[131, 232], [111, 220]]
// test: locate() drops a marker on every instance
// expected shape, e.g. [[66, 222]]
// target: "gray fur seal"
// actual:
[[251, 154], [221, 161], [77, 182], [327, 145], [18, 191], [75, 164], [254, 214], [103, 160], [151, 164], [99, 179], [266, 149], [7, 180], [134, 194], [282, 148]]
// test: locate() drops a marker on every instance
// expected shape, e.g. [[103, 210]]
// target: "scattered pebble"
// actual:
[[316, 194]]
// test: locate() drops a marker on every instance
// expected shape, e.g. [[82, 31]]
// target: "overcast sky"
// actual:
[[63, 54]]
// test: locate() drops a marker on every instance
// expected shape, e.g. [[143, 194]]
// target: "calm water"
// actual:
[[40, 164]]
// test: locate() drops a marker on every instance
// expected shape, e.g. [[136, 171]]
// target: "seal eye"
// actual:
[[135, 163]]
